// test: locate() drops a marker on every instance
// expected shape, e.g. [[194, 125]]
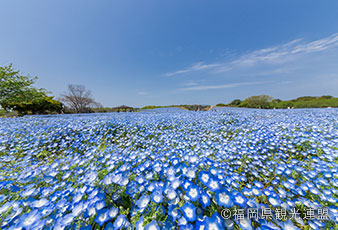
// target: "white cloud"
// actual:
[[195, 67], [223, 86], [272, 55]]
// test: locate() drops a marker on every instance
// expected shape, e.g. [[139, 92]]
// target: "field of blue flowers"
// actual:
[[170, 170]]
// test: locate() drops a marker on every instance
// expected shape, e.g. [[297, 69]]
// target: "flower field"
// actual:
[[170, 170]]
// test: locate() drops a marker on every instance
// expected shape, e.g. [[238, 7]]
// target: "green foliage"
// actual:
[[154, 107], [259, 102], [186, 107], [309, 102], [267, 102], [17, 93], [12, 83], [235, 102], [221, 105]]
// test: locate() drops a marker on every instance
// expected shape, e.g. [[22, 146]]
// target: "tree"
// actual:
[[17, 93], [259, 102], [235, 102], [79, 99], [13, 85]]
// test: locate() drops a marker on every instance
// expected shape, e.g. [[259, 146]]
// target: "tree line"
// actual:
[[18, 94], [268, 102]]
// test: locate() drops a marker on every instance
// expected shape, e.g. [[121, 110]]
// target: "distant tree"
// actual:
[[259, 102], [79, 99], [304, 98], [275, 101], [221, 105], [326, 97], [235, 102], [17, 93]]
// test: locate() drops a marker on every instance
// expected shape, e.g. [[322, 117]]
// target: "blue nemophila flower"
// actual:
[[228, 224], [100, 205], [245, 224], [204, 177], [152, 226], [139, 224], [171, 194], [274, 201], [212, 224], [213, 184], [109, 226], [157, 196], [189, 211], [102, 216], [174, 212], [30, 191], [79, 208], [193, 192], [200, 224], [256, 191], [204, 200], [223, 198], [113, 212], [182, 221], [186, 184], [288, 225], [39, 203], [239, 199], [29, 219], [175, 182], [120, 221], [143, 201]]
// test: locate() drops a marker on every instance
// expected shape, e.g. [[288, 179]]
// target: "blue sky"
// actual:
[[174, 52]]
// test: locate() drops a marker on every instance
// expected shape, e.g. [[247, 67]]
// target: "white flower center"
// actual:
[[224, 197], [189, 212], [239, 199], [193, 192]]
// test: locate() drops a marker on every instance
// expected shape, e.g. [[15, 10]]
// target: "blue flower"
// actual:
[[152, 226], [245, 224], [113, 212], [109, 226], [173, 212], [204, 200], [143, 201], [224, 199], [239, 199], [212, 224], [193, 192], [274, 201], [171, 194], [139, 224], [204, 177], [157, 196], [29, 219], [102, 216], [120, 222], [189, 211], [213, 184], [289, 225]]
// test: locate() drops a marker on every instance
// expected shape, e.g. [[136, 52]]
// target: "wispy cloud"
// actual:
[[195, 67], [272, 55], [232, 85]]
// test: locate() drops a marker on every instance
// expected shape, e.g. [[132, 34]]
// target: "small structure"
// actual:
[[123, 108]]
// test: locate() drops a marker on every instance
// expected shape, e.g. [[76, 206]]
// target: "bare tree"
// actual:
[[78, 98]]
